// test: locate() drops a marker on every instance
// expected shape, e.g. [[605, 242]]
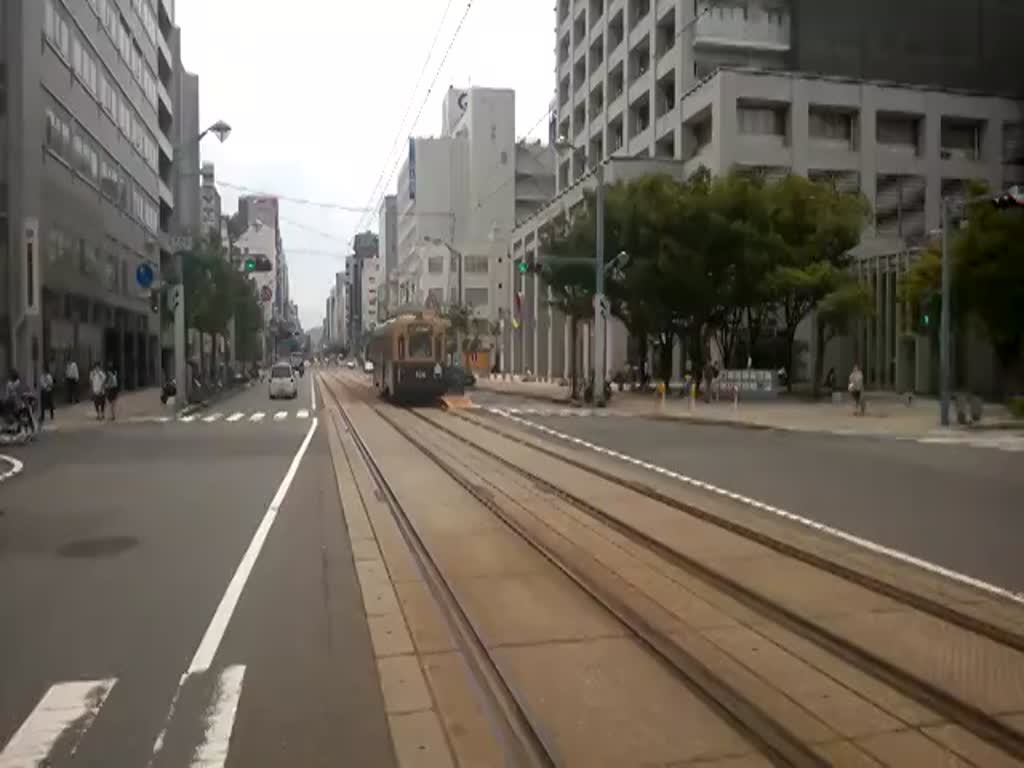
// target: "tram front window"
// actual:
[[420, 344]]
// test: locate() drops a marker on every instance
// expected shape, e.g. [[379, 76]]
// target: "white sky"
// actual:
[[315, 90]]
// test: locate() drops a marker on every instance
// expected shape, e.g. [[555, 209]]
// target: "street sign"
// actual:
[[266, 293], [144, 275], [181, 243]]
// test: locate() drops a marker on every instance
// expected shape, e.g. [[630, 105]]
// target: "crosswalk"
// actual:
[[227, 417], [59, 724]]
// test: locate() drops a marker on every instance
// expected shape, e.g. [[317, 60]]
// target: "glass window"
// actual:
[[421, 343], [476, 297], [476, 265], [435, 265]]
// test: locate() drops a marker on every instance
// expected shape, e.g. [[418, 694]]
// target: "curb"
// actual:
[[16, 467], [191, 408]]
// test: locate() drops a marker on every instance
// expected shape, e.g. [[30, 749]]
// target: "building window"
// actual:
[[899, 132], [834, 126], [56, 29], [58, 135], [961, 139], [435, 265], [476, 265], [1013, 143], [476, 297], [761, 120]]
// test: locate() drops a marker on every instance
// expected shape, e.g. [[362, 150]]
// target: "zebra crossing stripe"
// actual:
[[258, 416], [66, 708], [187, 419], [220, 719], [237, 416], [302, 414], [213, 417], [280, 415]]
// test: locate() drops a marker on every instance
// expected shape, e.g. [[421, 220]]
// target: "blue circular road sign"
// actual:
[[144, 275]]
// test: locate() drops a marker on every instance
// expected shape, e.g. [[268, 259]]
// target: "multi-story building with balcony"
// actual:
[[87, 179], [862, 94]]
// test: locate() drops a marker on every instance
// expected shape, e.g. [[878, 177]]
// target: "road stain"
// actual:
[[107, 546]]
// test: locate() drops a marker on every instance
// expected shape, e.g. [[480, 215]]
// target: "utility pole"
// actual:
[[599, 311], [945, 351]]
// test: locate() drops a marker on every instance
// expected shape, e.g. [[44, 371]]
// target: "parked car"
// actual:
[[282, 381]]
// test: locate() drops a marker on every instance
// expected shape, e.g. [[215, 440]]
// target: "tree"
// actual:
[[460, 318], [813, 226], [987, 260]]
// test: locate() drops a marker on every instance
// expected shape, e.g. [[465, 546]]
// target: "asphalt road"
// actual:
[[956, 506], [116, 547]]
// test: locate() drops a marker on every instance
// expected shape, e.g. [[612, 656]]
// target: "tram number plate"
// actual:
[[421, 374]]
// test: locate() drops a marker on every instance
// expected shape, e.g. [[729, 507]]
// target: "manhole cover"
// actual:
[[108, 546]]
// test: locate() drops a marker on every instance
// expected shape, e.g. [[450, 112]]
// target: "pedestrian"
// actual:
[[46, 394], [111, 389], [830, 381], [98, 383], [856, 388], [71, 380]]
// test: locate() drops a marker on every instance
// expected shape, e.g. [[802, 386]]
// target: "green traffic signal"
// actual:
[[250, 265], [523, 267]]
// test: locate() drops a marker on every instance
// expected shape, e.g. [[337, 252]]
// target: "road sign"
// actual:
[[144, 275], [181, 243], [266, 293]]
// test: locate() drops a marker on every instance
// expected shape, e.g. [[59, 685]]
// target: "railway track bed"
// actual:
[[619, 632]]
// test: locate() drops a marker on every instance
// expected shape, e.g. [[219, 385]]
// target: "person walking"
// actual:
[[98, 383], [71, 380], [111, 388], [856, 388], [46, 394]]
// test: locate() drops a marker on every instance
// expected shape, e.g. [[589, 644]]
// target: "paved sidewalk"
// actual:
[[135, 404], [887, 414]]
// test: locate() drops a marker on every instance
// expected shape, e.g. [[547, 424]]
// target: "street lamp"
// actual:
[[600, 310], [221, 130]]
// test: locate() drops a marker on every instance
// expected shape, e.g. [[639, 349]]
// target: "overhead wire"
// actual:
[[408, 106], [296, 200], [430, 89]]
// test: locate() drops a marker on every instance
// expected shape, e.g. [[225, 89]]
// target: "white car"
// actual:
[[282, 381], [368, 366]]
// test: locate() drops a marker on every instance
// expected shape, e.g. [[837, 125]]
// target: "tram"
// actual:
[[408, 357]]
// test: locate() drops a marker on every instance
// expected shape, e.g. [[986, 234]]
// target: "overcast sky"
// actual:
[[315, 91]]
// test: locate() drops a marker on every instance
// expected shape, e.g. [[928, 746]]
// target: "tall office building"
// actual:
[[87, 173], [624, 66], [387, 232]]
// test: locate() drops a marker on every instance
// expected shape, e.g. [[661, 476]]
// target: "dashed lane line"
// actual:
[[258, 416], [280, 415], [237, 416], [838, 533], [213, 417]]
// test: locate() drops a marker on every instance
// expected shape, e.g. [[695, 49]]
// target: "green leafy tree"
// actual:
[[814, 227], [848, 302], [987, 259]]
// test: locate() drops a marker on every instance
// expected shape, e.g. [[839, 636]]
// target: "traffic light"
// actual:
[[257, 264], [529, 266], [154, 301]]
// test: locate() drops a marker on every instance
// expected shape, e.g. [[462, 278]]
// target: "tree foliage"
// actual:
[[711, 257], [987, 261]]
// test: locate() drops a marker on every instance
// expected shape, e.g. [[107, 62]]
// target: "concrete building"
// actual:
[[361, 273], [387, 232], [330, 322], [623, 68], [260, 239], [902, 147], [88, 154], [340, 328], [255, 208], [458, 199], [727, 86]]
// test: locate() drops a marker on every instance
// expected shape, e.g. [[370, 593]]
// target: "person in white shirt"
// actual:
[[71, 380], [46, 394], [98, 382]]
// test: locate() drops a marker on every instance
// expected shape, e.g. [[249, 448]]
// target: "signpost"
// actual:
[[144, 275]]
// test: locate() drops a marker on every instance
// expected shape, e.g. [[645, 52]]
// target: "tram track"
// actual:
[[771, 738]]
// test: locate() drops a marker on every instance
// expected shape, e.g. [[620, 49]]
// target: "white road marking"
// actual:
[[64, 707], [312, 392], [213, 417], [237, 416], [219, 623], [280, 415], [838, 533], [302, 414], [258, 416], [187, 419], [16, 467], [220, 719]]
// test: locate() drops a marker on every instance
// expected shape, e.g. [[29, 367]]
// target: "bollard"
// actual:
[[736, 397]]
